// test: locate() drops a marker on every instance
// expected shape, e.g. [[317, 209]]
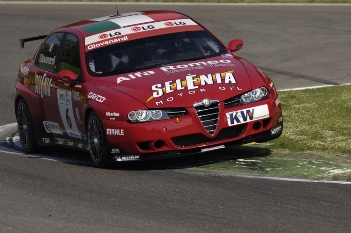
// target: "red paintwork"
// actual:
[[235, 45], [136, 93]]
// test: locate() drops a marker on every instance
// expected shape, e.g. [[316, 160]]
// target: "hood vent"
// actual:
[[208, 115]]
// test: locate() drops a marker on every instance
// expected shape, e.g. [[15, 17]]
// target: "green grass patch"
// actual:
[[316, 120], [315, 144], [200, 1]]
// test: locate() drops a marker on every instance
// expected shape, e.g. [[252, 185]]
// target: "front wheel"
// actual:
[[26, 129], [97, 140]]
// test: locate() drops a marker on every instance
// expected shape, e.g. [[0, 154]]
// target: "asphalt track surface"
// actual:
[[298, 46]]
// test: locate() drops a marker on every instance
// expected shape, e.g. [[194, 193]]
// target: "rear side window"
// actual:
[[70, 59], [48, 52]]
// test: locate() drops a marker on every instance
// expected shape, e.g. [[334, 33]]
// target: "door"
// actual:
[[62, 103]]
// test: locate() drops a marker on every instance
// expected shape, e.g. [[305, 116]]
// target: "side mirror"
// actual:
[[235, 45], [67, 76]]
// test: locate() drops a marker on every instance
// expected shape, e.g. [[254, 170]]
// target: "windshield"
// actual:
[[152, 52]]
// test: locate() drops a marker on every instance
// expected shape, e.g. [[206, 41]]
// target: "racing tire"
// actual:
[[26, 129], [97, 140]]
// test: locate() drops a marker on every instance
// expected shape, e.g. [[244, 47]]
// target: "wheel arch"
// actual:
[[37, 114]]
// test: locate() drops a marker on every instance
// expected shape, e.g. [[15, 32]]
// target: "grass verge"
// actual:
[[315, 144]]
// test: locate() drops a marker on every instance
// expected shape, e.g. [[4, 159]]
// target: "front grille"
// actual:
[[175, 112], [208, 116], [232, 102], [198, 138]]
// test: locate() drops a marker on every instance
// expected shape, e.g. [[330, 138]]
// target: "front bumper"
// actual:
[[170, 138], [264, 136]]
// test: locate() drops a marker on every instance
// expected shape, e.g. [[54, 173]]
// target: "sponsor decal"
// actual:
[[192, 82], [76, 96], [115, 114], [135, 32], [227, 56], [212, 148], [60, 141], [46, 140], [24, 70], [127, 158], [26, 82], [103, 36], [64, 99], [136, 29], [115, 151], [42, 85], [96, 97], [277, 102], [113, 34], [52, 127], [64, 142], [107, 42], [133, 76], [47, 60], [247, 115], [115, 132], [276, 130], [195, 65]]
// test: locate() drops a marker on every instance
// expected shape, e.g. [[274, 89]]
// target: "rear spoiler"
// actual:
[[22, 41]]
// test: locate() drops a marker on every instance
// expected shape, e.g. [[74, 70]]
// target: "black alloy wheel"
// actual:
[[97, 140], [26, 128]]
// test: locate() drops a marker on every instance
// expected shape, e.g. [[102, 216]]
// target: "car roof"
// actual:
[[117, 21]]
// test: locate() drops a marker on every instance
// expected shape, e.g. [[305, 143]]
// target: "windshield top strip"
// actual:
[[136, 32]]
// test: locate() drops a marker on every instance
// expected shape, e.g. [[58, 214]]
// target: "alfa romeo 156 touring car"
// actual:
[[141, 86]]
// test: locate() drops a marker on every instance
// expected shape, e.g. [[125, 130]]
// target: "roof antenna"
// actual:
[[117, 14]]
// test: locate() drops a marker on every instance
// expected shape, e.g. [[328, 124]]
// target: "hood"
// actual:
[[186, 83]]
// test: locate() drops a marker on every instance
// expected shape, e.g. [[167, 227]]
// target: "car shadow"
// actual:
[[82, 158], [208, 158]]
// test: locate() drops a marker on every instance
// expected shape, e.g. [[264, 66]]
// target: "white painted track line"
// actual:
[[312, 87]]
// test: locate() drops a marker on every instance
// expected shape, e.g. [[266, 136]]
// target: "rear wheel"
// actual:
[[97, 140], [26, 129]]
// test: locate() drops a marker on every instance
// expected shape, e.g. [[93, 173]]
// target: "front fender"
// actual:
[[110, 104]]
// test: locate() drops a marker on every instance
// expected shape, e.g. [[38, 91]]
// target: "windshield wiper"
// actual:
[[112, 72], [186, 59]]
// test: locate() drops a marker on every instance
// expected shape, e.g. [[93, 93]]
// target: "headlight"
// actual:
[[146, 115], [254, 95]]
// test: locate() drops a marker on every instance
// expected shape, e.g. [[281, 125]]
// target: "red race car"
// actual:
[[139, 86]]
